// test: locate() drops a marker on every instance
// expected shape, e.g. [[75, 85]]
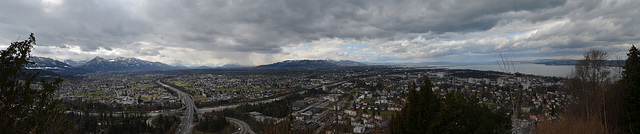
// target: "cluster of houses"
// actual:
[[362, 121]]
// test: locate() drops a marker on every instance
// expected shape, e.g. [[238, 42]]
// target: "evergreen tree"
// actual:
[[419, 112], [23, 108], [631, 80], [449, 117], [426, 113]]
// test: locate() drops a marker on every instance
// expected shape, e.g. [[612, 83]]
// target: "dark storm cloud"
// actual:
[[265, 26], [451, 16], [400, 29], [88, 24], [252, 26]]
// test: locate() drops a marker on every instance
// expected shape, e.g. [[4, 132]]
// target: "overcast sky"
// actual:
[[217, 32]]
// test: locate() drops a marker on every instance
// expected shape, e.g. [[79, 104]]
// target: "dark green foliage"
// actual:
[[631, 80], [94, 106], [27, 108], [166, 124], [123, 123], [463, 114], [278, 108], [213, 123], [419, 112], [426, 113], [90, 125], [131, 124]]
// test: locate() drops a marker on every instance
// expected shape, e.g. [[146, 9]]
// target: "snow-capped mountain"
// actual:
[[46, 63], [75, 63], [52, 65], [124, 64]]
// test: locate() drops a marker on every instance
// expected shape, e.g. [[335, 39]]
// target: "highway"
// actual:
[[186, 124], [244, 127]]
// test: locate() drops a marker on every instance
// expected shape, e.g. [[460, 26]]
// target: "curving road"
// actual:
[[186, 125], [244, 127]]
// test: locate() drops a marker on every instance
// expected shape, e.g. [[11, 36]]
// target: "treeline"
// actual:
[[213, 123], [131, 124], [119, 123], [102, 107], [462, 73], [166, 124], [427, 113], [279, 108], [284, 127]]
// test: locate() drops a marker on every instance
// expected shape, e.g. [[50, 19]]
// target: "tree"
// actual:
[[593, 70], [631, 100], [23, 108], [419, 112], [588, 83], [426, 113], [213, 123], [596, 99]]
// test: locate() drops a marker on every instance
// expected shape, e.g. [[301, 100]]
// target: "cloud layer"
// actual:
[[261, 32]]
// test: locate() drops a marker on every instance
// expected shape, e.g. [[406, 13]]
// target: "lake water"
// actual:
[[525, 68]]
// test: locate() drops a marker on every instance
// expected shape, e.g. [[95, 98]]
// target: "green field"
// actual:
[[182, 83], [143, 96], [369, 101], [387, 112], [202, 99]]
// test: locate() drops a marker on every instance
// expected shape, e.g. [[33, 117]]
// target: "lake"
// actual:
[[525, 68]]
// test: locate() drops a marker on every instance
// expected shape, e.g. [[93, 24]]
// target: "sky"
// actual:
[[257, 32]]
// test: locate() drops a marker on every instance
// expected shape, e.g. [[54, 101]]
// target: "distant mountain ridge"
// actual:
[[234, 66], [299, 64], [55, 66], [47, 63], [618, 63], [124, 64], [75, 63]]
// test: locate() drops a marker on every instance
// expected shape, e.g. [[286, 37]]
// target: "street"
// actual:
[[244, 127], [186, 124]]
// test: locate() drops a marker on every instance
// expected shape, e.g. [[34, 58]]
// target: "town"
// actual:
[[344, 100]]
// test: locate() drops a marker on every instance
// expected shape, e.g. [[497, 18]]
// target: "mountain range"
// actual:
[[54, 66], [302, 64], [100, 64], [97, 64], [122, 64], [616, 63]]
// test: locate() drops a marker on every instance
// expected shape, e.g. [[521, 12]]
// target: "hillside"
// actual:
[[124, 64], [54, 66], [300, 64]]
